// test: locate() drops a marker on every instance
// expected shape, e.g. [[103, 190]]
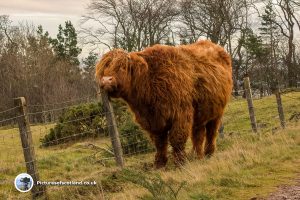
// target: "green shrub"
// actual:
[[158, 188], [84, 120], [133, 139], [88, 120]]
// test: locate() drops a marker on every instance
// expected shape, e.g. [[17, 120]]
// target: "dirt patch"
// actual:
[[287, 192], [284, 192]]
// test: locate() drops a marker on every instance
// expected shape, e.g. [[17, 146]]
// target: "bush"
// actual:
[[88, 120], [133, 139], [84, 120], [158, 188]]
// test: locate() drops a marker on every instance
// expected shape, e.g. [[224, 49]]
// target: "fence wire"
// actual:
[[9, 110], [72, 150], [73, 102]]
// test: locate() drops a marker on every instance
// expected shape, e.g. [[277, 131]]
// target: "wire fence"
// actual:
[[75, 141]]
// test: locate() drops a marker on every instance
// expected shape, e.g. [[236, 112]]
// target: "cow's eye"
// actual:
[[123, 68]]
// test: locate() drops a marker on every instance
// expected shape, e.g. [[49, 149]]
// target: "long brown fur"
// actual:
[[174, 92]]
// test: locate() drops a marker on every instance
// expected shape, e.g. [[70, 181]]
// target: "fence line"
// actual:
[[8, 110], [50, 110], [88, 117], [250, 103], [113, 130], [69, 136], [2, 121], [28, 149], [102, 145], [64, 102]]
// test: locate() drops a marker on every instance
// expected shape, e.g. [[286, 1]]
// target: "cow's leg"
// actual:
[[178, 136], [161, 145], [198, 137], [198, 133], [212, 128]]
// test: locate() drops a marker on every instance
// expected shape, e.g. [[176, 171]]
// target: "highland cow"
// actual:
[[174, 92]]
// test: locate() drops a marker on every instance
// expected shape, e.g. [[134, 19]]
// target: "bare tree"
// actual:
[[5, 27], [129, 24], [219, 21], [203, 18], [286, 12], [29, 68], [213, 19]]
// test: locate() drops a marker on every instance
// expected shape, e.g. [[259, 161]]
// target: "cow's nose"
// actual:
[[106, 80]]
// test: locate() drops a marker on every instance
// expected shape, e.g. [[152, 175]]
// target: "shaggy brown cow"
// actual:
[[174, 92]]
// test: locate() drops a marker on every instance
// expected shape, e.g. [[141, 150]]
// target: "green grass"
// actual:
[[236, 118], [246, 165], [67, 162], [252, 167]]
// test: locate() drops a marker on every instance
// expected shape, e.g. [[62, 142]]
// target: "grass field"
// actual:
[[246, 165]]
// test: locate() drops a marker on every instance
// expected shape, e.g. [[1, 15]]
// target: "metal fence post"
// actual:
[[28, 148], [113, 130], [250, 104]]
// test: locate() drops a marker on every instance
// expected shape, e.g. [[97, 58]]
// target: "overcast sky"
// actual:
[[48, 13]]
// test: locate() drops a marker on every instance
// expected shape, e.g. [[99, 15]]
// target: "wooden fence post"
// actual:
[[113, 130], [221, 130], [250, 104], [280, 108], [28, 148]]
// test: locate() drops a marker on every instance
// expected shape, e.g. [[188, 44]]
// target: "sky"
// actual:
[[51, 13], [48, 13]]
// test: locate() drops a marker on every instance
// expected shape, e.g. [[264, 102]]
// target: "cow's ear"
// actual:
[[102, 64], [138, 64]]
